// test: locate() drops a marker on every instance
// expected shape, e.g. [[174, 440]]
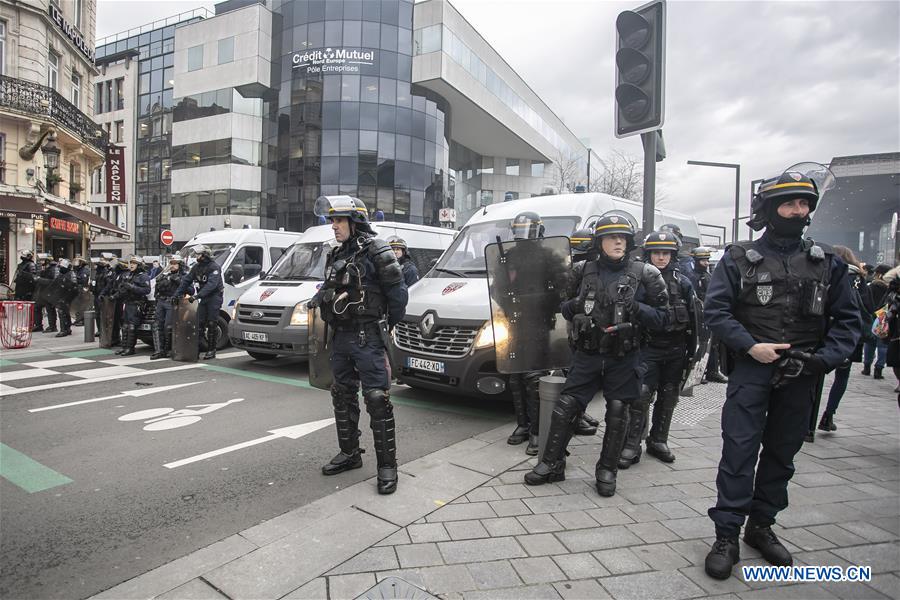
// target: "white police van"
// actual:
[[242, 254], [446, 341], [270, 317]]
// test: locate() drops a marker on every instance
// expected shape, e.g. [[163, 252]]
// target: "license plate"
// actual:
[[145, 326], [256, 337], [434, 366]]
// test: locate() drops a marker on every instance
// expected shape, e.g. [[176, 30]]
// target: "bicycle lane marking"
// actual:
[[27, 473]]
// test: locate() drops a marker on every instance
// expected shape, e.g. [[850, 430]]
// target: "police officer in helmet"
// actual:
[[783, 306], [364, 295], [133, 288], [26, 273], [401, 251], [665, 355], [209, 292], [700, 276], [617, 297], [167, 283]]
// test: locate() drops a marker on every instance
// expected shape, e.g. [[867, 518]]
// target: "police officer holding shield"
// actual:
[[132, 289], [617, 297], [364, 295], [665, 355], [26, 273], [783, 306], [48, 273], [210, 291], [102, 273], [167, 283]]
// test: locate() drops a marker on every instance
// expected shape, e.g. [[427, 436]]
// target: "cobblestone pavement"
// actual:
[[463, 524]]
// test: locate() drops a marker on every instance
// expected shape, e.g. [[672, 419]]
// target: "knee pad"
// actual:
[[341, 395], [378, 404], [615, 410], [568, 408]]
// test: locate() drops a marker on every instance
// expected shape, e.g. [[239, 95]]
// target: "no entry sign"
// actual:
[[167, 237]]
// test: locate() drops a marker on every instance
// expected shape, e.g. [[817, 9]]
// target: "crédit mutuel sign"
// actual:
[[332, 60]]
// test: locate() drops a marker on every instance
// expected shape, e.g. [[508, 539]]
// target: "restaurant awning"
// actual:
[[24, 207], [95, 222]]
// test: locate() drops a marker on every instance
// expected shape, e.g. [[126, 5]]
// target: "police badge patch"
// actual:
[[764, 293]]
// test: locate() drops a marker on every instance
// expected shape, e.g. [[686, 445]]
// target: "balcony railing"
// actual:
[[41, 101]]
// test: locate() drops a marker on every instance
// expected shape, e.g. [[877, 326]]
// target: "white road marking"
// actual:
[[127, 360], [27, 374], [293, 432], [58, 362], [131, 373], [105, 371], [132, 393]]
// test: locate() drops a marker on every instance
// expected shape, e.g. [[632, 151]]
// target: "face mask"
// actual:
[[788, 228]]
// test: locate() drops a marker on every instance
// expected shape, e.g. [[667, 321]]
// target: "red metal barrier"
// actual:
[[16, 321]]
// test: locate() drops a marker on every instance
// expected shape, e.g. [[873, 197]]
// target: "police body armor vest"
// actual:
[[782, 300], [167, 284], [679, 315], [349, 300], [608, 304], [128, 295]]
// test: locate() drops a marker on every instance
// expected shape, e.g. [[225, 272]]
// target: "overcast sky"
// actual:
[[761, 84]]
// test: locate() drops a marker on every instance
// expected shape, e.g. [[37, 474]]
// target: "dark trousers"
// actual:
[[356, 361], [875, 348], [663, 368], [132, 314], [838, 387], [65, 318], [712, 363], [618, 377], [755, 414], [209, 308], [165, 313], [39, 310]]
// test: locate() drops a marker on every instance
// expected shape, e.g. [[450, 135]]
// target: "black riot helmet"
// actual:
[[661, 240], [804, 180], [204, 254], [674, 230], [527, 226], [615, 223], [581, 241], [344, 206]]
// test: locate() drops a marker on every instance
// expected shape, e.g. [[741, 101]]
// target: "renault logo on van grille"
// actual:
[[426, 326]]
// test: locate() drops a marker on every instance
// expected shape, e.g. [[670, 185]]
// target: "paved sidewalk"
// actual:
[[44, 343], [463, 525]]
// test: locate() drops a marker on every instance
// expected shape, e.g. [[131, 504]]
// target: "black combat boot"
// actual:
[[637, 418], [590, 420], [582, 427], [826, 423], [657, 440], [212, 338], [725, 553], [562, 425], [129, 341], [878, 374], [346, 421], [159, 344], [534, 447], [867, 370], [64, 333], [520, 433], [613, 438], [381, 414], [763, 539], [715, 377]]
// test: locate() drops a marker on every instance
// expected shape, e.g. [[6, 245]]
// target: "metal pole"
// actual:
[[649, 140], [589, 172], [737, 203]]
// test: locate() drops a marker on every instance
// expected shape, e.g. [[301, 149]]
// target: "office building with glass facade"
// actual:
[[403, 105]]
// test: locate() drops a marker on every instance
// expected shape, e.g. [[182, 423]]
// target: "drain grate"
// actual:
[[396, 588]]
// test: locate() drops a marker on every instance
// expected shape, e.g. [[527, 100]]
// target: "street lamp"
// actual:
[[51, 154], [737, 190]]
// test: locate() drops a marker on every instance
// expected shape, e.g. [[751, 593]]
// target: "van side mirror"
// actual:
[[262, 275]]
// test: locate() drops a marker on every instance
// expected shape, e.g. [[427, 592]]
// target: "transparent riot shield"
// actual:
[[48, 292], [319, 351], [185, 342], [107, 321], [697, 348], [83, 300], [527, 280]]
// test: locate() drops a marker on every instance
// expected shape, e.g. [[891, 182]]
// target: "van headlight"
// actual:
[[299, 316], [489, 333], [234, 311]]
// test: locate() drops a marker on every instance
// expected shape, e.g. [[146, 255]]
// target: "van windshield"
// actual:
[[465, 256], [220, 252], [304, 262]]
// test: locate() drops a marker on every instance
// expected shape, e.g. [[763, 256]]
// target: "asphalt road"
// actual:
[[96, 493]]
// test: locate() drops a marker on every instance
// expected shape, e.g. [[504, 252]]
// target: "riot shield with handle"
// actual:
[[527, 281], [185, 336], [48, 292], [698, 340], [319, 351], [107, 321]]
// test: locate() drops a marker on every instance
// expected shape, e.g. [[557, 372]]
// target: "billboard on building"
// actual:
[[115, 174]]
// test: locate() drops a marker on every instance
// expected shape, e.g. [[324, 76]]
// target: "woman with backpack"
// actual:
[[842, 373]]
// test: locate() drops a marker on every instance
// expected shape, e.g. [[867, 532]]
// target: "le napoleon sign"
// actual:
[[332, 60]]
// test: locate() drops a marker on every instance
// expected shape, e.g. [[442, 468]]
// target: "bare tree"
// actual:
[[619, 174], [566, 172]]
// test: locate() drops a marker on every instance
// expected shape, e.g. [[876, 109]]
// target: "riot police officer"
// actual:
[[783, 306], [617, 297], [98, 285], [132, 289], [401, 251], [26, 273], [700, 277], [665, 356], [111, 290], [210, 290], [167, 283], [48, 274], [363, 296], [83, 279], [67, 281]]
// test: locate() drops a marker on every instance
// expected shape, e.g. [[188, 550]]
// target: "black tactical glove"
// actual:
[[814, 365], [581, 324], [314, 302], [192, 299]]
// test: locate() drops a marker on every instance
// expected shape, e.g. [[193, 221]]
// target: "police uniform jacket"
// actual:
[[732, 292], [207, 275], [700, 281], [26, 273], [167, 283], [681, 311], [134, 286], [410, 272]]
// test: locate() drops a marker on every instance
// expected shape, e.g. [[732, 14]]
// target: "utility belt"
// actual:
[[614, 340], [668, 339]]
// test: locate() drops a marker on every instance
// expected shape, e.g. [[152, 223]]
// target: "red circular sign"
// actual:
[[167, 237]]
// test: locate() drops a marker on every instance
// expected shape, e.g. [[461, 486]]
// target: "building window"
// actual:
[[120, 93], [226, 50], [195, 58], [76, 89], [537, 169], [108, 96], [512, 166], [79, 8], [2, 47], [52, 70], [98, 99], [120, 131]]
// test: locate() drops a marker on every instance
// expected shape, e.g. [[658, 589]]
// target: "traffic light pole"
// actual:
[[649, 140]]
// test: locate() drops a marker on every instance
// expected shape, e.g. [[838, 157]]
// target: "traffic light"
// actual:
[[640, 69]]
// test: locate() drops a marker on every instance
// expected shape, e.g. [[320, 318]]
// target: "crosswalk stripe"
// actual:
[[132, 373], [27, 374], [58, 362]]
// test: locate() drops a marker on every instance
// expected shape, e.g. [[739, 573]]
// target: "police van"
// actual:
[[242, 254], [446, 341], [270, 317]]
